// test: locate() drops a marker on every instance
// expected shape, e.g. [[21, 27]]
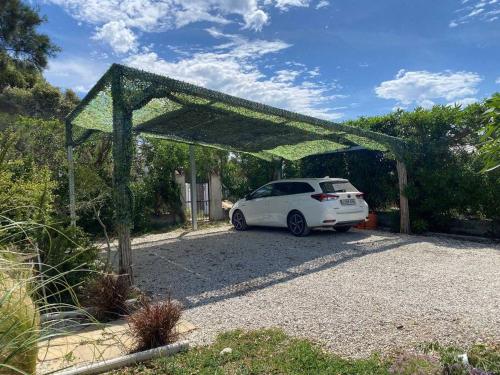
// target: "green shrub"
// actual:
[[27, 197], [19, 327], [143, 206], [106, 295], [419, 226], [68, 258]]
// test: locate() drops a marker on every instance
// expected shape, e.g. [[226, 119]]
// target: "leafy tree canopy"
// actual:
[[490, 149], [23, 55], [19, 38]]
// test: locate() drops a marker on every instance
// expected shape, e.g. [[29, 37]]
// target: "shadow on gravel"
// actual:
[[199, 270]]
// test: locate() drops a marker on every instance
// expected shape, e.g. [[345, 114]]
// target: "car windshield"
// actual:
[[337, 186]]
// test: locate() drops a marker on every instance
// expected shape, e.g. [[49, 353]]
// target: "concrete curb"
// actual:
[[62, 315]]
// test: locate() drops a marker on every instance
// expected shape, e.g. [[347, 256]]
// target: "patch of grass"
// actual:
[[486, 357], [415, 364], [271, 351], [268, 351], [483, 356]]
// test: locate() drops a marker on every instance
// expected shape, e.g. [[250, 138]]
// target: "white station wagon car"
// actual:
[[302, 204]]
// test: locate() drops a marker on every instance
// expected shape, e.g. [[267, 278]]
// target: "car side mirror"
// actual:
[[248, 197]]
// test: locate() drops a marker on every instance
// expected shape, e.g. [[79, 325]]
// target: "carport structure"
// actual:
[[127, 101]]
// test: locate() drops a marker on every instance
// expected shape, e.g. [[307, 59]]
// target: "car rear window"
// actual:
[[337, 187]]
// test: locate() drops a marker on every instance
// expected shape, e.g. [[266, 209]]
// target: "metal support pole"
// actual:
[[71, 178], [404, 210], [194, 198]]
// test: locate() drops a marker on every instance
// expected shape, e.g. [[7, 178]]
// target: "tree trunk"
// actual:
[[404, 210]]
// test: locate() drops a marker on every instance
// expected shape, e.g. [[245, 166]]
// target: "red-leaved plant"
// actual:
[[154, 324], [106, 296]]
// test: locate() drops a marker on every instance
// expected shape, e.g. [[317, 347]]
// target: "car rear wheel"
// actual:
[[297, 224], [342, 229], [239, 221]]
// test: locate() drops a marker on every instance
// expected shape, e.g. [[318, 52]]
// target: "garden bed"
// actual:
[[90, 344]]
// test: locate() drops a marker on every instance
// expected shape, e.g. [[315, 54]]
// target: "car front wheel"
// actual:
[[297, 224], [239, 221]]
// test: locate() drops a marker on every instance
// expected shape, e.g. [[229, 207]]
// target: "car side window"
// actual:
[[300, 188], [264, 191], [280, 189]]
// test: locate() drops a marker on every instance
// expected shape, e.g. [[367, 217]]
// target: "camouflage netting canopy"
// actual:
[[128, 101], [170, 109]]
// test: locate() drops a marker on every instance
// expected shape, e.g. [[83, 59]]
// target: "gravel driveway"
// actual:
[[355, 292]]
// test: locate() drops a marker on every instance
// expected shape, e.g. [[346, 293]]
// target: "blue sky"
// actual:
[[333, 59]]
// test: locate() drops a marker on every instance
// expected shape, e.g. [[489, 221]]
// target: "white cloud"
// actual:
[[498, 80], [464, 102], [76, 74], [233, 69], [423, 87], [478, 10], [256, 20], [286, 75], [322, 4], [426, 103], [118, 36], [129, 16], [285, 4]]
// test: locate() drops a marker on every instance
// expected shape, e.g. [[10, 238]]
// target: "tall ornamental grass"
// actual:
[[26, 293]]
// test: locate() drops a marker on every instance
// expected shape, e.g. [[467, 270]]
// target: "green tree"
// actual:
[[19, 38], [23, 55], [490, 147]]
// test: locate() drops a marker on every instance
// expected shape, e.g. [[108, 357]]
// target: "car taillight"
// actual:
[[360, 195], [324, 197]]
